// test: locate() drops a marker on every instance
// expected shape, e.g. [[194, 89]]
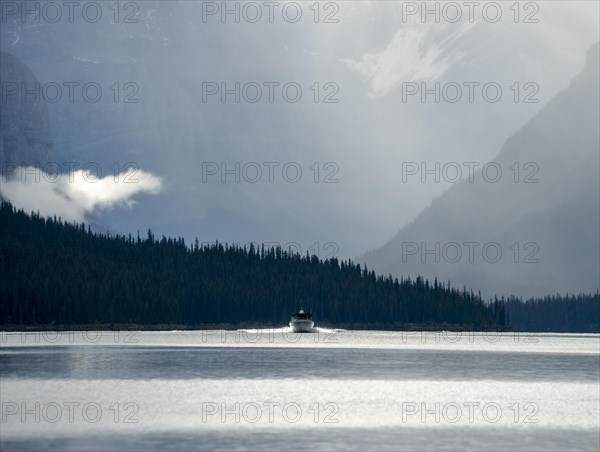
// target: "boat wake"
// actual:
[[289, 330]]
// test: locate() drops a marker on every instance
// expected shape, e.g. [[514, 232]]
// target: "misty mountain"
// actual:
[[156, 65], [543, 215], [25, 137]]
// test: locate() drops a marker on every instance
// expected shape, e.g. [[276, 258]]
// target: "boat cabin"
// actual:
[[301, 315]]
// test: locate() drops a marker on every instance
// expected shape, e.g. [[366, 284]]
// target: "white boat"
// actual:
[[302, 322]]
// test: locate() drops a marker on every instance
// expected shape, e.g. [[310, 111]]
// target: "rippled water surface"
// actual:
[[272, 389]]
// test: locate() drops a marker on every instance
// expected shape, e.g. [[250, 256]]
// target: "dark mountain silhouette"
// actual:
[[25, 138], [555, 221]]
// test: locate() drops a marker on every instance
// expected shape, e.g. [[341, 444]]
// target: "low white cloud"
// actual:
[[73, 195]]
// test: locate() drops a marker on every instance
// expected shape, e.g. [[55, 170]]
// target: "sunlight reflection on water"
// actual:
[[384, 390]]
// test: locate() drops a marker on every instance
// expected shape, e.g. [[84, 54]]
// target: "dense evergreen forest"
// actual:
[[556, 313], [53, 272]]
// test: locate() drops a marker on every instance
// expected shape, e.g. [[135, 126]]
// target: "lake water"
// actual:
[[272, 389]]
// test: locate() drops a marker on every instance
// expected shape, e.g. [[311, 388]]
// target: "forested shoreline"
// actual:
[[557, 313], [53, 273]]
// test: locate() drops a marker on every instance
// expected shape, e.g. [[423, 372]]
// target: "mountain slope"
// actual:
[[25, 137], [562, 141]]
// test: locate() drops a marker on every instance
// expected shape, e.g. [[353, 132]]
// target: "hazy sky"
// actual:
[[331, 160]]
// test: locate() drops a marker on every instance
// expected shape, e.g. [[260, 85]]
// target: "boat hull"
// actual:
[[302, 326]]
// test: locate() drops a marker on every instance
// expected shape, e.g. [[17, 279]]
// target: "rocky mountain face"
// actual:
[[543, 214], [25, 138]]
